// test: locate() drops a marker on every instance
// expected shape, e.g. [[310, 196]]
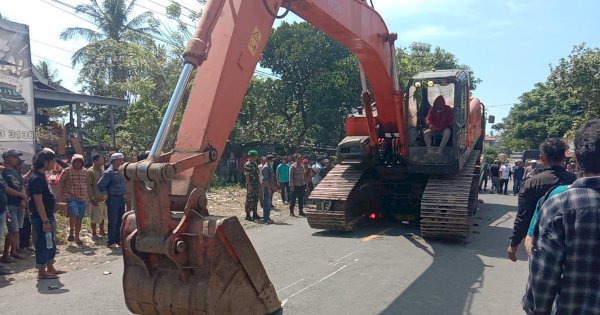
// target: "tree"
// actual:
[[112, 56], [47, 72], [113, 22], [420, 57], [557, 107], [319, 84]]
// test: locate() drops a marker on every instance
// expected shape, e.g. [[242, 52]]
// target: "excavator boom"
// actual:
[[178, 258]]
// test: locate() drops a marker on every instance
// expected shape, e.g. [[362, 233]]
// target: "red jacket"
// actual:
[[440, 119]]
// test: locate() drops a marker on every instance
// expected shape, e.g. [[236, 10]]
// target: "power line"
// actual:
[[258, 72], [143, 7], [55, 62], [50, 45], [174, 2], [95, 16]]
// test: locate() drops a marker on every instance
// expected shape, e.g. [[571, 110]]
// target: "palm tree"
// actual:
[[112, 21], [47, 72]]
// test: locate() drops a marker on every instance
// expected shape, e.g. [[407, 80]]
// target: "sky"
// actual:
[[509, 44]]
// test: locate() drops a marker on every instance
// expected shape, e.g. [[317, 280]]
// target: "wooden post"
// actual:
[[78, 113], [112, 127]]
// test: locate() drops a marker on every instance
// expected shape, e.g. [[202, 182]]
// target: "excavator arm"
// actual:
[[178, 258]]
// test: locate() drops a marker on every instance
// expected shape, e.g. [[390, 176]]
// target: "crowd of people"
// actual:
[[293, 176], [558, 223], [499, 174], [28, 205]]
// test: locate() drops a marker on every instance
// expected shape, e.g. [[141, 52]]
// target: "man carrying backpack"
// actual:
[[552, 155]]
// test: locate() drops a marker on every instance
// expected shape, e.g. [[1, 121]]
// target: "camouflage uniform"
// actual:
[[251, 169]]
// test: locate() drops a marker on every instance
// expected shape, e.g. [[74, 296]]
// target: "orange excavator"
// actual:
[[181, 260]]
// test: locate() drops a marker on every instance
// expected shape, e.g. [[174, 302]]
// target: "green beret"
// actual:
[[252, 153]]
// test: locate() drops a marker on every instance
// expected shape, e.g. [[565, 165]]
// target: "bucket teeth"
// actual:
[[223, 273]]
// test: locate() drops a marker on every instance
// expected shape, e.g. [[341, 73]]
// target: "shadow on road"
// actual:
[[51, 286], [456, 273]]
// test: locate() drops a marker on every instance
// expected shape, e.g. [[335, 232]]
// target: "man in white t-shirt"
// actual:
[[505, 174]]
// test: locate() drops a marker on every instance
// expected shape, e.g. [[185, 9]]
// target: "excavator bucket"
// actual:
[[213, 269]]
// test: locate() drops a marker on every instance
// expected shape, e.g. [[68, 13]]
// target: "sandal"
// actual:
[[58, 272], [47, 277]]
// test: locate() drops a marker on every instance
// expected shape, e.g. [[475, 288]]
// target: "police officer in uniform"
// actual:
[[252, 186]]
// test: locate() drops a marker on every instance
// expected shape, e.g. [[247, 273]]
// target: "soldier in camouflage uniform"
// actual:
[[252, 186]]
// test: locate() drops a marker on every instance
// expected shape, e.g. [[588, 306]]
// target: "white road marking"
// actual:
[[289, 286], [335, 261], [315, 283]]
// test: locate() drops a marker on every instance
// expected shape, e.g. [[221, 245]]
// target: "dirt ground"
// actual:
[[223, 201]]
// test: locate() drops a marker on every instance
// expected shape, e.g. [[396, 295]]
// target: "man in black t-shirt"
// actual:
[[3, 271], [41, 204], [495, 175], [16, 201]]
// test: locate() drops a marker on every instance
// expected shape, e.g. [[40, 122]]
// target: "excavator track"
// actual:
[[449, 201], [331, 195]]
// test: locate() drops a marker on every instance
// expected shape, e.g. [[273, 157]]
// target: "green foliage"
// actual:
[[490, 154], [319, 86], [112, 58], [557, 107], [420, 57]]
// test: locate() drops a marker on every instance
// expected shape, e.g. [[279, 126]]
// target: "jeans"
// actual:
[[17, 215], [266, 204], [503, 185], [517, 185], [285, 191], [43, 255], [297, 193], [76, 208], [116, 209], [484, 182], [495, 184]]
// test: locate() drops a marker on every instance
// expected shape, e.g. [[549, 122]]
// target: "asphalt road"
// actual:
[[377, 270]]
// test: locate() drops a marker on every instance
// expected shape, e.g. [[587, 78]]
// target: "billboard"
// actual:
[[17, 113]]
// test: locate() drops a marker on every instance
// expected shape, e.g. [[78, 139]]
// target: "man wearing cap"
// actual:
[[113, 185], [16, 203], [252, 186], [72, 185]]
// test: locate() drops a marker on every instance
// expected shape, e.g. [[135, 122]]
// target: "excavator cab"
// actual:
[[423, 90]]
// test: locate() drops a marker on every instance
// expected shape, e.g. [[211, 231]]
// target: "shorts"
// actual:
[[75, 208], [17, 215], [98, 213], [2, 223]]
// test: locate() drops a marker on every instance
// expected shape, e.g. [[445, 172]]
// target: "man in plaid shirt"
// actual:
[[72, 182], [564, 269]]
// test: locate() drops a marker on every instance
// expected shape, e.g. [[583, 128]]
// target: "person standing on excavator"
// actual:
[[439, 121], [252, 186]]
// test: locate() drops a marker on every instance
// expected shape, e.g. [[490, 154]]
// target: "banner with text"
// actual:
[[17, 113]]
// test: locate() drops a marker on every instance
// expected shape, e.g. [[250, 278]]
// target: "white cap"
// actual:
[[48, 150], [117, 156], [533, 161]]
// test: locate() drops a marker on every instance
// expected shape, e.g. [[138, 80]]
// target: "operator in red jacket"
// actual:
[[439, 121]]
